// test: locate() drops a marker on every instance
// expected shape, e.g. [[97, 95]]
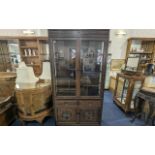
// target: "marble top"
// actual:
[[21, 86], [149, 89]]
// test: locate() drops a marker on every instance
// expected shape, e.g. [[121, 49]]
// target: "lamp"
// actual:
[[28, 32], [46, 73], [120, 33]]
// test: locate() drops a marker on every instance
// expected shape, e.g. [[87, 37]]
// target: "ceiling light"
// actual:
[[120, 32], [28, 32]]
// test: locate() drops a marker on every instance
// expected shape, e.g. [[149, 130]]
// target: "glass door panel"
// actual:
[[119, 91], [65, 65], [91, 53]]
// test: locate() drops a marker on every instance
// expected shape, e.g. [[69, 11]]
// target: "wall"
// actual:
[[19, 32], [118, 44]]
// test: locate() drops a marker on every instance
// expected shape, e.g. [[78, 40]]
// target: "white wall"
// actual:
[[19, 32], [118, 44]]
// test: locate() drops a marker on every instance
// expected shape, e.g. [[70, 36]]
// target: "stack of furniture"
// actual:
[[78, 72], [140, 52]]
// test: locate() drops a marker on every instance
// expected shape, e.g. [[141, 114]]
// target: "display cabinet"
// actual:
[[140, 51], [126, 89], [78, 67]]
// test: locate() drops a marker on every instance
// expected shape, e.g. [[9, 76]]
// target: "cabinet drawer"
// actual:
[[66, 103], [90, 103]]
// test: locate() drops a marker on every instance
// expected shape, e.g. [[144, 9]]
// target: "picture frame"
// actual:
[[116, 64]]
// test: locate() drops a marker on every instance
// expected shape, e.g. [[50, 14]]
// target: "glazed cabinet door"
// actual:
[[91, 56], [65, 67]]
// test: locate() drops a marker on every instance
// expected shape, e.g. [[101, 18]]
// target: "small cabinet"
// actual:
[[126, 89]]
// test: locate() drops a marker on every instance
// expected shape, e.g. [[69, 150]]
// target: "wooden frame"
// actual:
[[78, 109]]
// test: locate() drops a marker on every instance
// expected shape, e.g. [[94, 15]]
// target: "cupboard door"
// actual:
[[65, 67], [91, 54], [66, 114], [90, 111], [66, 110]]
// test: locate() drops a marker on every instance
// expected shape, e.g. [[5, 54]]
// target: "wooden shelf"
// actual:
[[33, 64], [26, 47], [30, 56], [140, 53]]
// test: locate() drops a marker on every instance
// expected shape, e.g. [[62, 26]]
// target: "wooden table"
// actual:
[[145, 104], [34, 101]]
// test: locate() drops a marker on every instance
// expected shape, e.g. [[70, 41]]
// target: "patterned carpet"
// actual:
[[112, 116]]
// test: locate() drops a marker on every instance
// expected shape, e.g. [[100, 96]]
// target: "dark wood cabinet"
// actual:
[[78, 62]]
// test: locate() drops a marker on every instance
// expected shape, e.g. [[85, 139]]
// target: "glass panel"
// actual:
[[91, 67], [136, 89], [125, 89], [65, 55], [119, 90]]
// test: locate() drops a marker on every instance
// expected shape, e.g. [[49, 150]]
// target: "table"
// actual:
[[34, 101], [145, 104]]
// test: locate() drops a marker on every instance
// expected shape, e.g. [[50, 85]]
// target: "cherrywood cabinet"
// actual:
[[78, 62]]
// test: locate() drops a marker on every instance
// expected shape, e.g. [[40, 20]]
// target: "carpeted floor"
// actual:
[[112, 116]]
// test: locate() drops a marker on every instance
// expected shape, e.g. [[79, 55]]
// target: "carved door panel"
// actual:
[[66, 114], [90, 115], [90, 111]]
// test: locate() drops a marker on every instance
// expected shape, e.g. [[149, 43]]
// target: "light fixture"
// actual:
[[120, 33], [28, 32]]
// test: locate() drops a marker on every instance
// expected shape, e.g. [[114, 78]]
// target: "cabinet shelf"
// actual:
[[33, 64], [30, 56], [27, 47]]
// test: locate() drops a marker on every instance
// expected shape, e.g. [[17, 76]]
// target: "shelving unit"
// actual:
[[144, 49], [32, 51], [5, 62]]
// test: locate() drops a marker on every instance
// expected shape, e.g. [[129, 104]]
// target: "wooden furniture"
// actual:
[[142, 48], [78, 67], [126, 88], [7, 87], [112, 83], [33, 52], [145, 104], [34, 101], [7, 84], [7, 111], [5, 62]]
